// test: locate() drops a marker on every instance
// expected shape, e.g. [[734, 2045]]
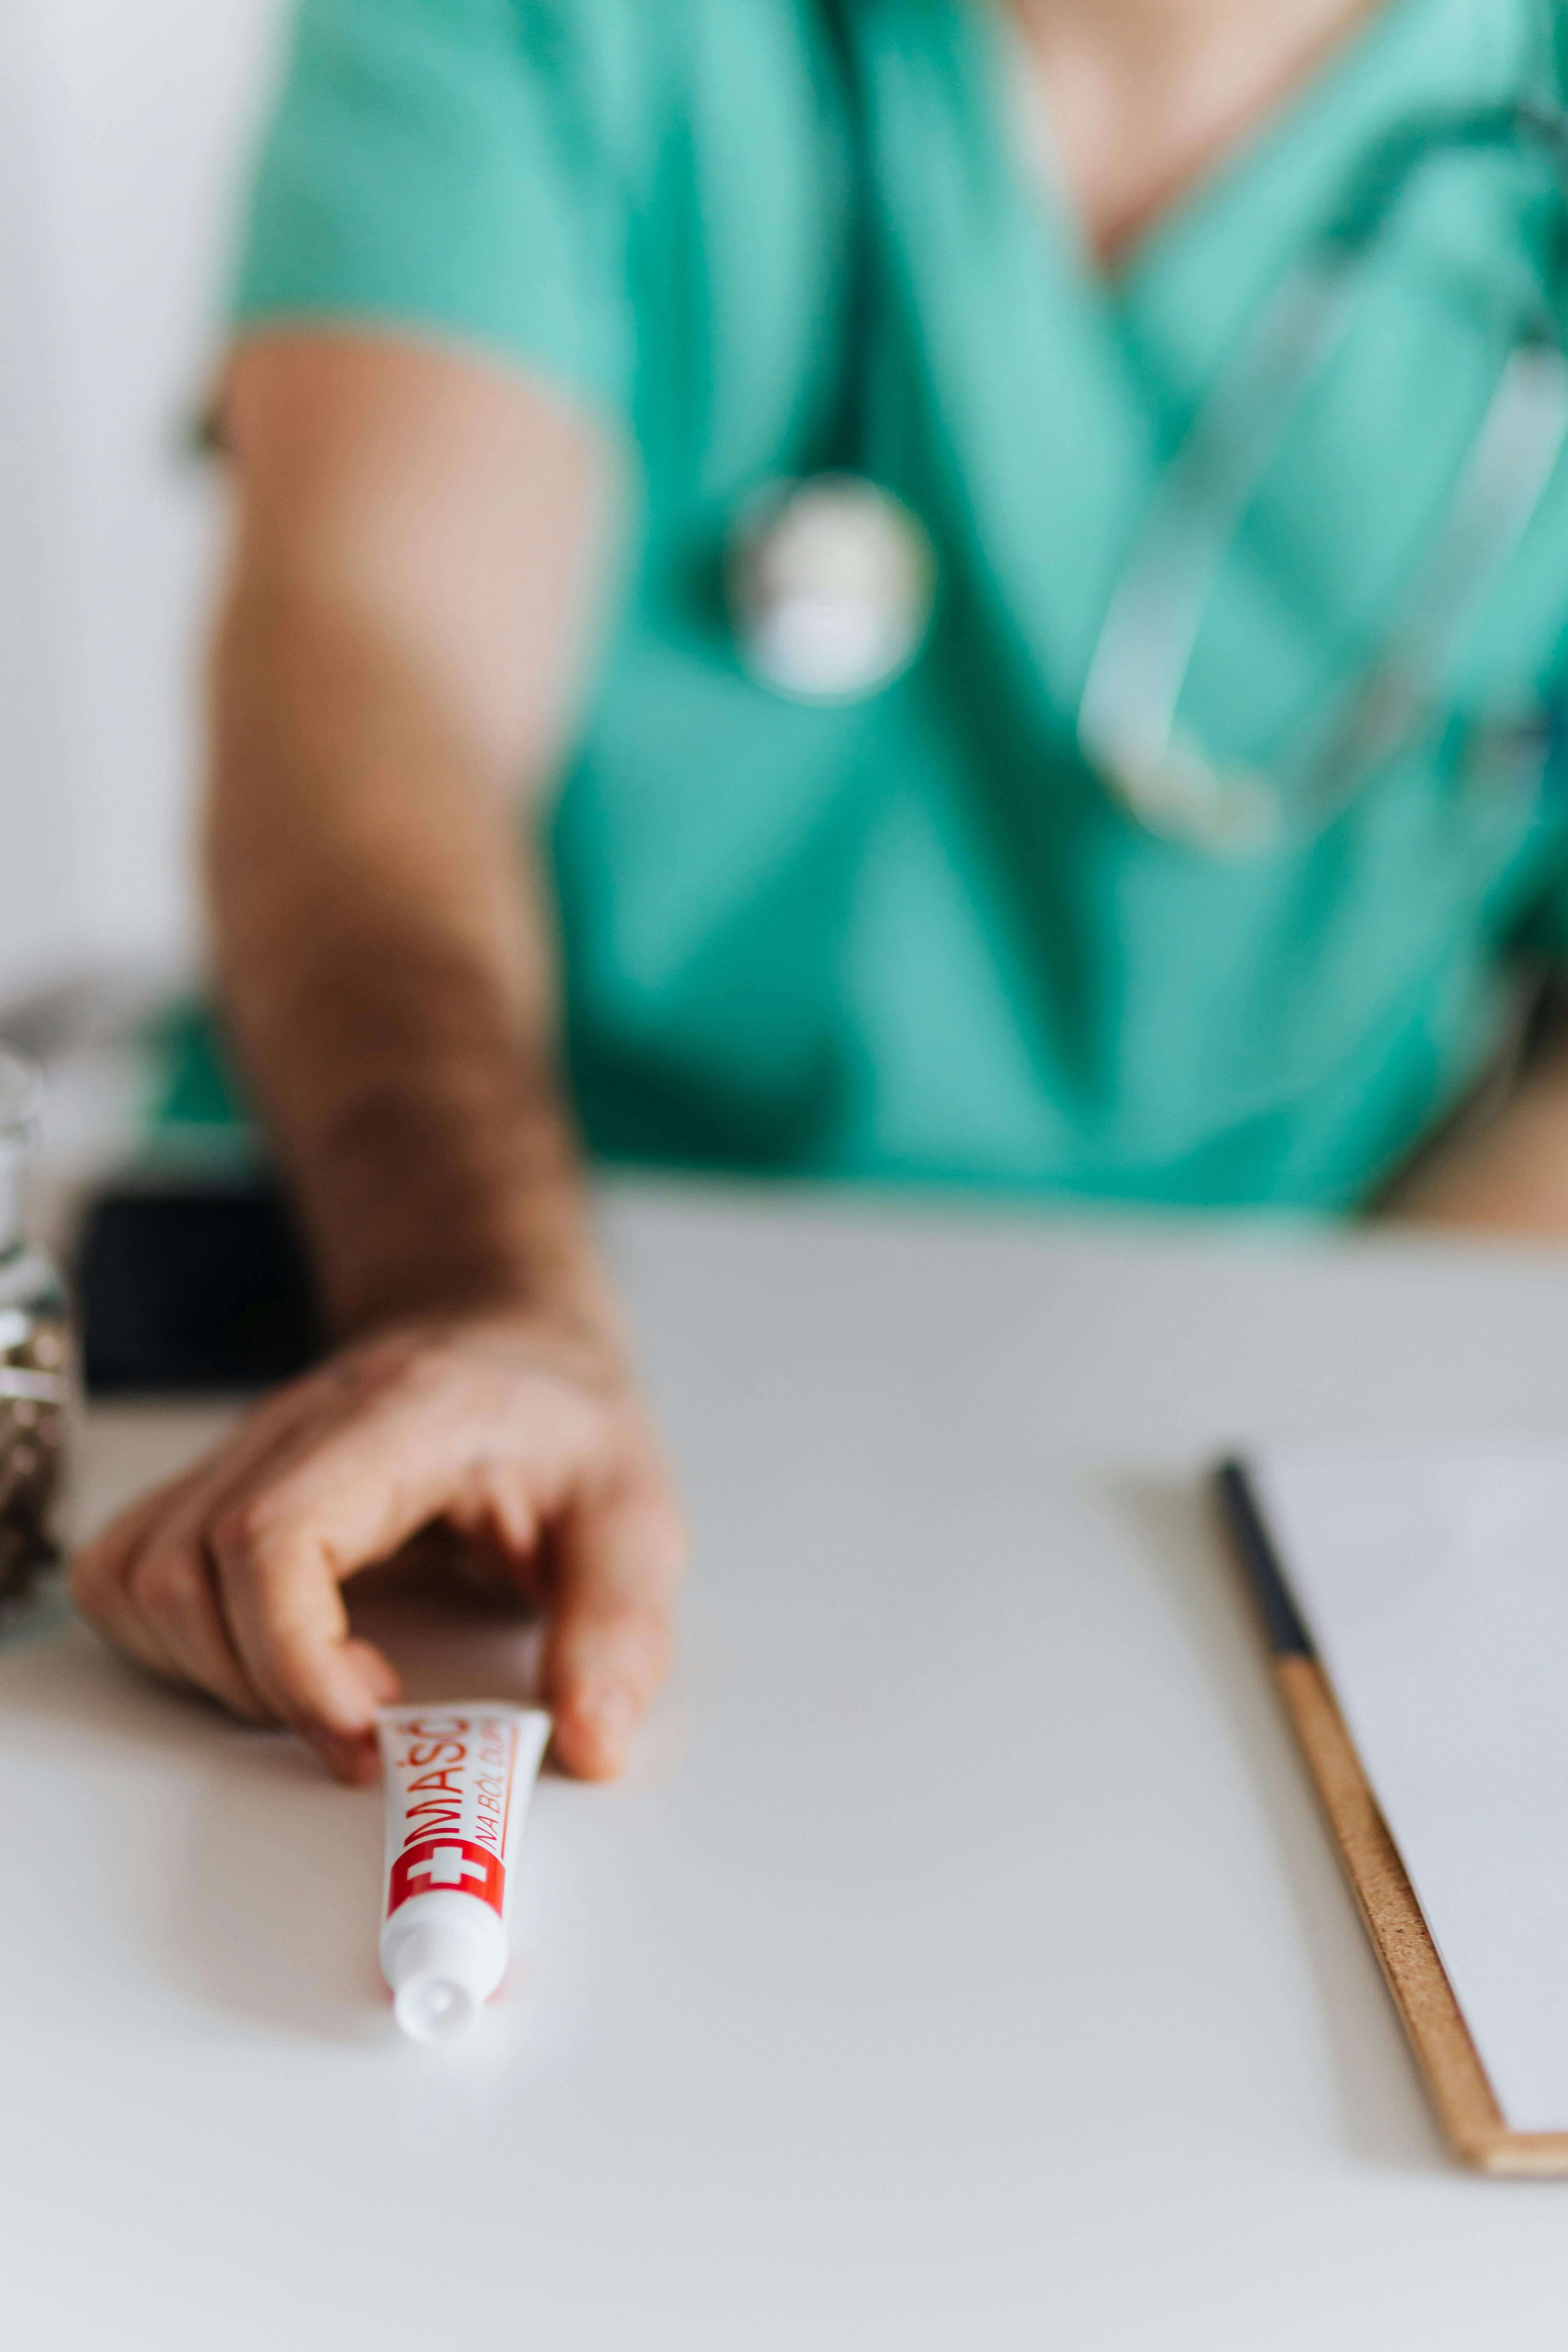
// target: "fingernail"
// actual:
[[348, 1705], [612, 1711], [376, 1674], [344, 1759]]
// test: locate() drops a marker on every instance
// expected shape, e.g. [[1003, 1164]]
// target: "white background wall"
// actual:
[[124, 126]]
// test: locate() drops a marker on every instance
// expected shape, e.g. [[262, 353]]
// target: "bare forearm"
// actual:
[[384, 961], [415, 542]]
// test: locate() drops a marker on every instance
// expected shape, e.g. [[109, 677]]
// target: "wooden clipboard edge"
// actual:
[[1450, 2064]]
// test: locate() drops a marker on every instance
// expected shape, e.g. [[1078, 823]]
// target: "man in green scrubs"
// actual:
[[541, 301]]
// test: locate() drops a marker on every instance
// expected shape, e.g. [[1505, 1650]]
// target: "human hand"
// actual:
[[526, 1442]]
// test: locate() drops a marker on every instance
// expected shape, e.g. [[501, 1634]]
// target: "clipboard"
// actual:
[[1450, 2066]]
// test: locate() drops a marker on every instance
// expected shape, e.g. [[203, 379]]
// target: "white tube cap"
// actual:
[[442, 1967]]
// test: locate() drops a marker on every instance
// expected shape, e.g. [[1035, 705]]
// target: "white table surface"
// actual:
[[962, 1965]]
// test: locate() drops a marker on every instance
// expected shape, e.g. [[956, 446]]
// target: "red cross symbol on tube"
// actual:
[[446, 1865]]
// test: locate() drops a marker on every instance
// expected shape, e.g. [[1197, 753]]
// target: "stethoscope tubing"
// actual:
[[1128, 722]]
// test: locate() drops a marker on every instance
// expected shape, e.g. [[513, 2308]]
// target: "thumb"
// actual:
[[619, 1560]]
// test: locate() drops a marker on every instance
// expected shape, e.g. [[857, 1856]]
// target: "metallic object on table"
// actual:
[[35, 1354]]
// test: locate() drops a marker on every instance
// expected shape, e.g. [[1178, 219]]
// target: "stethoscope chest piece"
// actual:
[[832, 584]]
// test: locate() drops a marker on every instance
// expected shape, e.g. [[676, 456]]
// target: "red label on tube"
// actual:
[[450, 1776], [448, 1865]]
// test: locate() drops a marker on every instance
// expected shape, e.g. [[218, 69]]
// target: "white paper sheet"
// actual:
[[1435, 1589]]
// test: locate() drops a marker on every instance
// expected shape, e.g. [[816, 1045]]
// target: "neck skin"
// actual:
[[1143, 97]]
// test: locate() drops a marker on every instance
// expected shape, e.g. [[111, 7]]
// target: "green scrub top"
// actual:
[[914, 936]]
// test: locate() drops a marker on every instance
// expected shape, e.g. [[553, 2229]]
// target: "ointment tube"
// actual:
[[459, 1780]]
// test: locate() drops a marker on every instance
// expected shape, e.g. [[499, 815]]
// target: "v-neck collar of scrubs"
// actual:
[[1210, 260], [1059, 392]]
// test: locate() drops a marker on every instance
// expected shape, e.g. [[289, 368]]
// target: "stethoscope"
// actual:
[[833, 579]]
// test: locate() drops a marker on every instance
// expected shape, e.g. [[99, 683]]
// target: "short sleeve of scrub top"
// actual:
[[438, 165], [918, 938]]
